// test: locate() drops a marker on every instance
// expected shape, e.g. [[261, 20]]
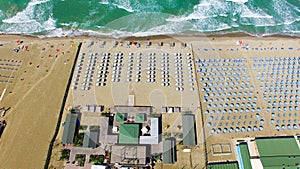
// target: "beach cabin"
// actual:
[[189, 131], [69, 129], [91, 138], [169, 151]]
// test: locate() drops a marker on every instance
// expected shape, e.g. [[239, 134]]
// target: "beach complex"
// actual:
[[149, 84], [215, 102]]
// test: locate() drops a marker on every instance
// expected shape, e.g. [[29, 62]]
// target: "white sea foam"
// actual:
[[238, 1], [205, 9], [169, 28], [210, 25], [36, 17], [285, 10], [277, 24], [124, 4], [204, 3], [186, 18], [37, 2], [251, 14], [127, 8], [105, 2], [223, 14], [120, 34], [204, 15], [65, 24], [59, 32], [30, 20], [296, 32], [246, 12], [235, 25], [291, 22], [218, 28], [254, 16], [160, 30], [49, 24]]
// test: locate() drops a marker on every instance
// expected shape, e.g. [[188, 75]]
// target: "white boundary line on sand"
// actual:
[[2, 94]]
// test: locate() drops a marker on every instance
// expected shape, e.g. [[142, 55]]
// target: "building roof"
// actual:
[[140, 118], [229, 165], [278, 152], [188, 128], [129, 155], [69, 128], [169, 152], [245, 155], [120, 117], [105, 137], [129, 134], [155, 136], [91, 138], [277, 146], [280, 161], [132, 109], [98, 167]]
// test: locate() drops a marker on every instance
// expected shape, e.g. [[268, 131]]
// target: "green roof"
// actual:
[[232, 165], [245, 155], [280, 161], [129, 134], [278, 152], [69, 129], [140, 118], [188, 128], [281, 167], [120, 117], [277, 146]]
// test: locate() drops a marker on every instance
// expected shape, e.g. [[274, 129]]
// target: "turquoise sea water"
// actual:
[[119, 18]]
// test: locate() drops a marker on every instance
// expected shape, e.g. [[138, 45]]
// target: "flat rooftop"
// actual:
[[129, 134], [128, 154], [245, 155], [69, 128], [231, 165], [278, 152], [277, 146]]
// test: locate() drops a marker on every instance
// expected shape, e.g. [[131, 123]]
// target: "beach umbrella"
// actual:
[[295, 126], [237, 129], [277, 127], [209, 124]]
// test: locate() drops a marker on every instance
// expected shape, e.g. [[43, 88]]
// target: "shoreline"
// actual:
[[162, 36]]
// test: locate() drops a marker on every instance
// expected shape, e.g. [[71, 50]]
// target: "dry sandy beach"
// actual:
[[34, 97], [36, 85]]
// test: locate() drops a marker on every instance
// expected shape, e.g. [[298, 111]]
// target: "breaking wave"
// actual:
[[119, 18]]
